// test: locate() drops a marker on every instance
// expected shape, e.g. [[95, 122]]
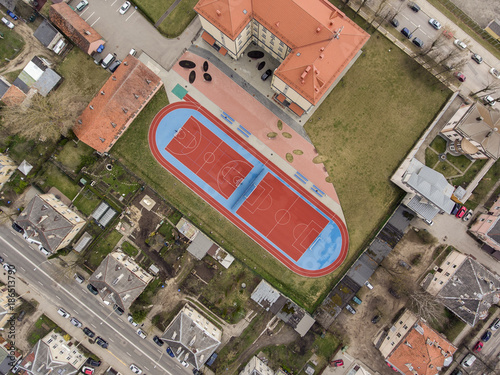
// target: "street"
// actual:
[[53, 289]]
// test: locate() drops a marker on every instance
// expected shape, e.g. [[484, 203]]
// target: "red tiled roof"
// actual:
[[322, 38], [118, 102], [421, 351], [13, 96], [73, 26]]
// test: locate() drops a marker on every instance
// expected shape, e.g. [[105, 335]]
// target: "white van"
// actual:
[[468, 361], [368, 285], [108, 60], [141, 333], [63, 313]]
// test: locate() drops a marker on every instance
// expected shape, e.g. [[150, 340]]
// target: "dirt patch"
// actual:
[[357, 330]]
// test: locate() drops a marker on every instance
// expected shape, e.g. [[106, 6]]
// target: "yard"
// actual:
[[40, 329], [72, 154], [94, 255], [87, 201], [50, 176], [153, 9], [179, 19], [12, 44]]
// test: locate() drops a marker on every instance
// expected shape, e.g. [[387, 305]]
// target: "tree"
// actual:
[[436, 44], [425, 305], [363, 3], [380, 9], [44, 118], [490, 86]]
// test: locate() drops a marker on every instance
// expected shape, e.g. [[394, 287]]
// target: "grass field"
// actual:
[[153, 9], [52, 176], [87, 201], [179, 19], [366, 127], [72, 153], [11, 44], [103, 247]]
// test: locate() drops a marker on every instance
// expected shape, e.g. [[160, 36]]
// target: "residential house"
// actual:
[[50, 37], [75, 28], [474, 131], [7, 167], [487, 227], [192, 337], [117, 104], [284, 308], [53, 355], [314, 42], [49, 223], [9, 356], [464, 286], [411, 347], [119, 279], [13, 96], [256, 367], [37, 75], [428, 191]]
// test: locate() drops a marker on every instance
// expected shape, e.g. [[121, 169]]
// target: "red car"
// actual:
[[478, 347], [461, 212], [337, 363], [460, 76]]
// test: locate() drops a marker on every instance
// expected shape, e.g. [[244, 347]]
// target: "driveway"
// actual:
[[132, 30]]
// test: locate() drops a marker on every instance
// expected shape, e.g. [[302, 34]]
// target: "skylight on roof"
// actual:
[[244, 11]]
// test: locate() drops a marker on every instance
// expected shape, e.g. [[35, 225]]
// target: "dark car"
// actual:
[[93, 362], [394, 22], [486, 336], [455, 209], [158, 341], [114, 65], [394, 293], [268, 73], [21, 316], [413, 6], [118, 309], [89, 332], [17, 228], [376, 319], [101, 342], [170, 352], [457, 372], [477, 58], [92, 289], [12, 15], [406, 32], [418, 42]]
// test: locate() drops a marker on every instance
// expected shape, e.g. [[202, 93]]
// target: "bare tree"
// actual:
[[363, 3], [425, 305], [490, 86], [398, 9], [450, 55], [436, 44], [44, 118]]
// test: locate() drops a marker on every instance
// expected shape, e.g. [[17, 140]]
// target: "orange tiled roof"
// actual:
[[422, 352], [114, 107], [323, 40], [73, 26], [13, 96]]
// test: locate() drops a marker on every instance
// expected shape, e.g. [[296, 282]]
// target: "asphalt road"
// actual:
[[52, 288]]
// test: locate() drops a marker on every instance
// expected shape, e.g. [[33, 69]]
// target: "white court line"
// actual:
[[83, 306], [95, 22]]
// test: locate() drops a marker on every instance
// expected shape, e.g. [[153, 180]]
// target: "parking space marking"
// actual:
[[113, 3], [77, 313], [87, 19], [130, 16], [93, 325], [23, 269], [110, 339], [40, 283], [59, 298], [82, 13], [127, 353], [98, 18]]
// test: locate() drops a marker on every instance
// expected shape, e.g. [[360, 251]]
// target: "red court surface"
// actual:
[[282, 216], [209, 157]]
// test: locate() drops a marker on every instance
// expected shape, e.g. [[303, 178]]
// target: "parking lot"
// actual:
[[132, 30]]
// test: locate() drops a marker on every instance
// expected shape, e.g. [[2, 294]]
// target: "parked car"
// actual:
[[479, 346], [461, 212], [185, 364], [460, 76], [12, 15], [418, 42], [141, 333], [435, 23], [368, 285], [170, 352], [477, 58], [337, 363], [468, 361], [133, 52], [135, 369], [9, 268], [158, 341], [495, 325], [468, 215], [81, 5], [495, 73], [88, 370], [488, 100], [413, 6], [93, 362], [17, 228], [486, 336], [394, 22], [131, 320], [7, 23], [460, 44], [268, 73], [350, 309], [21, 316], [89, 332], [394, 293], [406, 32], [429, 222], [79, 278], [118, 309], [92, 289], [125, 7], [357, 300], [101, 342], [376, 319], [76, 322], [114, 65], [456, 207], [63, 313]]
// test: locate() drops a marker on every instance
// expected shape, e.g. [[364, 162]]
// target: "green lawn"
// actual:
[[11, 44], [11, 76], [105, 244], [461, 162], [40, 329], [470, 174], [129, 249], [87, 202], [52, 176], [179, 19], [365, 128], [484, 187], [166, 230], [446, 169], [175, 216], [439, 144], [119, 180], [153, 9], [72, 153], [431, 158]]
